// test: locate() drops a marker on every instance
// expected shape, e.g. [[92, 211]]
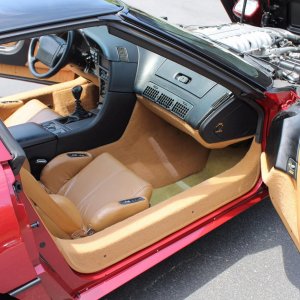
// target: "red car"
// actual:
[[148, 136]]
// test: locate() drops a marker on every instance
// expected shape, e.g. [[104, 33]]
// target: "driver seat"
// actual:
[[33, 111], [79, 194]]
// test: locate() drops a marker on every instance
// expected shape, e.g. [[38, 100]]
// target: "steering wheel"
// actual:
[[53, 52]]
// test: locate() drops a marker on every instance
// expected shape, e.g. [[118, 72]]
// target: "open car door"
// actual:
[[280, 168], [13, 64]]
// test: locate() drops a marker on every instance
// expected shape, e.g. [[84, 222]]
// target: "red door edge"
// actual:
[[16, 263]]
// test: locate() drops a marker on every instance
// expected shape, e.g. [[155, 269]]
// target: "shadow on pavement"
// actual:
[[256, 230]]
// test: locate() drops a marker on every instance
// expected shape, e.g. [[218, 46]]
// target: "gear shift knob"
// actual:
[[79, 112], [76, 91]]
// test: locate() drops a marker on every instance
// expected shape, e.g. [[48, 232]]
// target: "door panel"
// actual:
[[285, 194], [279, 168], [14, 53], [13, 64], [22, 72]]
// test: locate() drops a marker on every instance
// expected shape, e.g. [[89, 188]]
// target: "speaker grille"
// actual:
[[220, 101]]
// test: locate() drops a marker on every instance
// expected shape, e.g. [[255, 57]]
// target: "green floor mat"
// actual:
[[219, 161]]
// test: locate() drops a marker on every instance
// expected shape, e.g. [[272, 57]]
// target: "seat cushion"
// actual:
[[99, 187], [33, 111], [60, 210], [63, 168]]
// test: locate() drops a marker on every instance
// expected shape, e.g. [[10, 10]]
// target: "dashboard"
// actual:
[[210, 111]]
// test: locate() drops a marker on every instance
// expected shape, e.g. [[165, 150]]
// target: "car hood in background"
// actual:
[[274, 13]]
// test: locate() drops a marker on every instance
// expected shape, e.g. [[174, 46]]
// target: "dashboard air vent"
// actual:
[[180, 110], [165, 101], [151, 93]]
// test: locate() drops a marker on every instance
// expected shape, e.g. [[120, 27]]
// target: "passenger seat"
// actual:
[[79, 194], [33, 111]]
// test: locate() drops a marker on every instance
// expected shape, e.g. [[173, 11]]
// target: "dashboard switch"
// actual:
[[183, 78]]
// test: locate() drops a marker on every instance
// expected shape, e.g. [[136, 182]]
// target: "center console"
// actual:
[[38, 143], [65, 125]]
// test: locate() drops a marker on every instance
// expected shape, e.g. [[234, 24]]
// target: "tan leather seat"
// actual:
[[82, 194], [33, 111]]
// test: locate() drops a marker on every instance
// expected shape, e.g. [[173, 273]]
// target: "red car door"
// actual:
[[280, 168], [20, 269]]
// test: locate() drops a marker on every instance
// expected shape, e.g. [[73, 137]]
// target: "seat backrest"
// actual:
[[60, 210]]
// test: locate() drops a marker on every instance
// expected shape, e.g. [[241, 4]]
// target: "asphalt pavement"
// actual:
[[250, 257], [186, 12]]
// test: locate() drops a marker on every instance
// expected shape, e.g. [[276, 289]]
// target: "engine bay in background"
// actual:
[[276, 49]]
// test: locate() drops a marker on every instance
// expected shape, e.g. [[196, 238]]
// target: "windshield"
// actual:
[[217, 52]]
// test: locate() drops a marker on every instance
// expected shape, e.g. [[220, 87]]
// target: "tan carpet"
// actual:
[[219, 160], [155, 150]]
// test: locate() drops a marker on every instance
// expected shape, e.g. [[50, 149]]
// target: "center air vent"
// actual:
[[151, 93], [165, 101], [180, 110]]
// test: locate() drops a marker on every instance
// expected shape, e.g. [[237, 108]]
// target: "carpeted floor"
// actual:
[[219, 160]]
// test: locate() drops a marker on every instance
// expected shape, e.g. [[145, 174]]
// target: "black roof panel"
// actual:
[[23, 14]]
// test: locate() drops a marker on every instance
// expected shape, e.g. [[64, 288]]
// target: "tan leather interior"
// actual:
[[34, 106], [107, 181], [91, 77], [23, 71], [33, 111], [63, 100], [8, 108], [69, 221], [44, 94], [62, 169], [160, 154], [87, 195], [183, 126], [156, 151], [96, 252], [26, 165], [57, 96], [285, 194]]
